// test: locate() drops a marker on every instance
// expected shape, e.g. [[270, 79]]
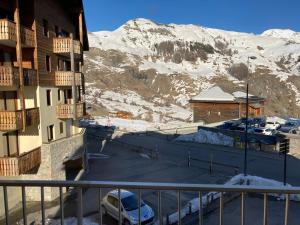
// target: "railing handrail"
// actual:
[[153, 186]]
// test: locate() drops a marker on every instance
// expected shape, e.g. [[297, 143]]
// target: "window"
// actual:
[[48, 63], [46, 28], [48, 93], [113, 201], [61, 127], [58, 95], [50, 132]]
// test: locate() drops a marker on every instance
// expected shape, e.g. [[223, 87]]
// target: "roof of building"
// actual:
[[214, 94], [241, 94]]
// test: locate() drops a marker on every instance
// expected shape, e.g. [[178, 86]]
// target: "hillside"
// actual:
[[152, 70]]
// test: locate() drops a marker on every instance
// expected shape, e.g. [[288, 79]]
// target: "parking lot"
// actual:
[[119, 163]]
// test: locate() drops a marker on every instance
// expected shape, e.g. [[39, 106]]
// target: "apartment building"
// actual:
[[41, 86]]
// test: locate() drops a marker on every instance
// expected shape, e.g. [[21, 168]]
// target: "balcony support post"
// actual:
[[74, 94], [20, 60]]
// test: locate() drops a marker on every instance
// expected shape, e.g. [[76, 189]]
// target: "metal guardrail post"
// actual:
[[179, 207], [200, 209], [287, 205], [6, 205], [139, 202], [43, 205], [243, 208], [61, 202], [221, 208], [24, 205], [119, 205], [159, 209], [265, 222], [79, 207], [99, 204]]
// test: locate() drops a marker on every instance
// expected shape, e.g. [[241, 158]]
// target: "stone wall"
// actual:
[[51, 168]]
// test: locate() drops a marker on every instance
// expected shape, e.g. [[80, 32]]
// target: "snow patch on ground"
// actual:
[[207, 137]]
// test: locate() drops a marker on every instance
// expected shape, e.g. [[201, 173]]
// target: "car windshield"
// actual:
[[270, 123], [289, 124], [258, 130], [131, 203]]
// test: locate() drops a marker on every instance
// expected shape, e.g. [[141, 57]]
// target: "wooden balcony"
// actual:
[[63, 46], [32, 116], [15, 166], [10, 120], [8, 36], [65, 111], [65, 78], [27, 37], [9, 76], [30, 77]]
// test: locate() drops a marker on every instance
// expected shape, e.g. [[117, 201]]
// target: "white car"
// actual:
[[129, 208], [265, 131], [272, 125]]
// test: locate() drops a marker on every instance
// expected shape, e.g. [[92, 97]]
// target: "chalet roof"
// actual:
[[241, 94], [214, 94]]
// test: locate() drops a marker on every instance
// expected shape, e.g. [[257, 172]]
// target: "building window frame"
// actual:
[[49, 97], [48, 63], [61, 127], [50, 132], [45, 28]]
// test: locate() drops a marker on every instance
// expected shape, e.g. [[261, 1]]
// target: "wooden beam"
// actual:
[[81, 27], [20, 59], [74, 94]]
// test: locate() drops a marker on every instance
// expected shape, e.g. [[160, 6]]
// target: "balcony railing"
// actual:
[[10, 120], [65, 78], [32, 116], [65, 111], [27, 37], [8, 34], [219, 191], [30, 77], [63, 46], [9, 76], [15, 166]]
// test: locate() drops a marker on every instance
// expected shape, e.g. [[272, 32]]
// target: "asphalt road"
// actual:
[[122, 164]]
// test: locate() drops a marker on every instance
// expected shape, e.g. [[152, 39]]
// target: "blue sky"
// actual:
[[239, 15]]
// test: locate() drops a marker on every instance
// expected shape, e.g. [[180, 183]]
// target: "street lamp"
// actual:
[[247, 115]]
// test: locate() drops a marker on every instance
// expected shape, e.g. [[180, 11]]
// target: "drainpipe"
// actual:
[[20, 60]]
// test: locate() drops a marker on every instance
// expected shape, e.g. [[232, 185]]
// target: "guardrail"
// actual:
[[139, 186]]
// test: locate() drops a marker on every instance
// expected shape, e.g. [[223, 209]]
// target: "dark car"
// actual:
[[289, 127]]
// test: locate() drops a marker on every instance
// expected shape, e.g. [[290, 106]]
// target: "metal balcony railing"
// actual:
[[201, 189]]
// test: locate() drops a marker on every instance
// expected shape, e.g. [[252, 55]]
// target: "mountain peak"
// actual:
[[281, 33]]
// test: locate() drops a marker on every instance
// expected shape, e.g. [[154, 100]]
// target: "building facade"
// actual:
[[41, 82], [215, 105]]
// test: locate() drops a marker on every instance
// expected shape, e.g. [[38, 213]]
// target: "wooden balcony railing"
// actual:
[[30, 77], [65, 78], [9, 76], [15, 166], [10, 120], [7, 32], [63, 46], [65, 111], [32, 116], [27, 37]]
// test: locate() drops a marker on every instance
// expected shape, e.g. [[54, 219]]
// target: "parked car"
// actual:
[[273, 125], [129, 208], [265, 131], [289, 127]]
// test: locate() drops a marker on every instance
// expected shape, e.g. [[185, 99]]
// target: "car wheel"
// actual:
[[126, 222]]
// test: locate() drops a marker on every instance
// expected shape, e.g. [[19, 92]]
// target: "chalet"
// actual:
[[215, 105]]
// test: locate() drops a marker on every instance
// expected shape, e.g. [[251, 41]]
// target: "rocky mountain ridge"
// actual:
[[151, 70]]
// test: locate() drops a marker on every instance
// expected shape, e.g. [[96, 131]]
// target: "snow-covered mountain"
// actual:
[[152, 70]]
